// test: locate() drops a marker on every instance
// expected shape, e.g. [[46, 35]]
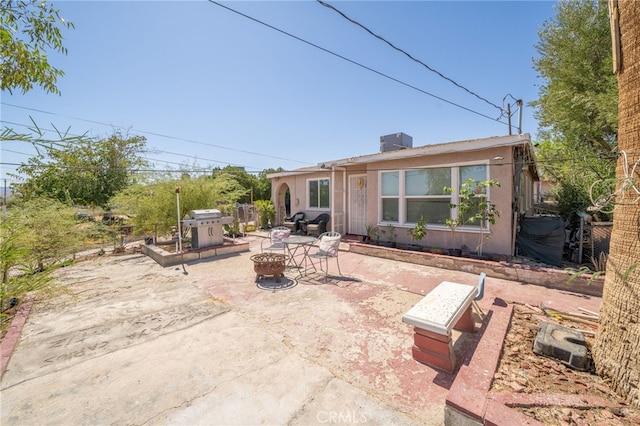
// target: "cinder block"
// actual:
[[563, 343]]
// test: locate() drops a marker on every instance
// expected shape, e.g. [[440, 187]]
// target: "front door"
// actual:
[[358, 205]]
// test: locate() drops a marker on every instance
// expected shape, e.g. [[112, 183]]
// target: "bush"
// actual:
[[266, 211], [155, 204], [572, 196], [36, 236]]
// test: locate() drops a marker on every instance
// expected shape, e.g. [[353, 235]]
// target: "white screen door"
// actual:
[[358, 205]]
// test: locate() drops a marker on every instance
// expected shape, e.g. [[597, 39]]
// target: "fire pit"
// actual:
[[269, 264]]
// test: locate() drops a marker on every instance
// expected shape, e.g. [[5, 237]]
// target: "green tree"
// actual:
[[258, 187], [577, 108], [240, 175], [86, 172], [262, 191], [29, 29], [579, 97]]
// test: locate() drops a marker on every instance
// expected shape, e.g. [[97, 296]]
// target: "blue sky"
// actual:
[[218, 88]]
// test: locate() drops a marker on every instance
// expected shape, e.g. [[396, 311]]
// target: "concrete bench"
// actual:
[[446, 307]]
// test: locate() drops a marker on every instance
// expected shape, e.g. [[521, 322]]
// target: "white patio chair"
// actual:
[[328, 247], [274, 242], [480, 295]]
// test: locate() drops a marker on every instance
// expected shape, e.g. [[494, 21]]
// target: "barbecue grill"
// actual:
[[207, 227]]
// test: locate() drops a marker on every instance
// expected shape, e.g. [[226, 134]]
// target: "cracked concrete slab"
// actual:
[[131, 342]]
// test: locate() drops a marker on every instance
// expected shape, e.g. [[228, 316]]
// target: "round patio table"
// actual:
[[299, 246]]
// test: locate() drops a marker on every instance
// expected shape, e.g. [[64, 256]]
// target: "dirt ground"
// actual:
[[522, 371]]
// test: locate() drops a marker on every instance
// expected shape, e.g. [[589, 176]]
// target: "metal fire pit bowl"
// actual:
[[269, 264]]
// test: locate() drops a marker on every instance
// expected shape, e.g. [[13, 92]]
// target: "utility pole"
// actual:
[[519, 103], [179, 222]]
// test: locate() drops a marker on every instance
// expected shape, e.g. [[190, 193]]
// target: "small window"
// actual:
[[390, 194], [477, 173], [318, 191]]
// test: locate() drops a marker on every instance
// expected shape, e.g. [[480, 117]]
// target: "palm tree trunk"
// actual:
[[617, 345]]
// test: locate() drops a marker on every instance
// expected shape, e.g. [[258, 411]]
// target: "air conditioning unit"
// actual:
[[395, 142]]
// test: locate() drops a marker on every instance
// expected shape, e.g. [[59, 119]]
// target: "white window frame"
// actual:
[[406, 197], [381, 219], [319, 207], [402, 197]]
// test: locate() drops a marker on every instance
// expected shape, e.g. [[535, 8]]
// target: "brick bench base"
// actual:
[[436, 350], [446, 307]]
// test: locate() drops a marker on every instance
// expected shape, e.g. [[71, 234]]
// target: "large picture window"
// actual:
[[425, 196], [408, 195], [318, 190]]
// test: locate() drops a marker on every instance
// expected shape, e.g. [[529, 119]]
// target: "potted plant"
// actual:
[[417, 233], [372, 233], [233, 230], [266, 212], [389, 236]]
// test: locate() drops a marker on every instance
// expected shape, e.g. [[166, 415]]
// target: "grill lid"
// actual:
[[205, 214]]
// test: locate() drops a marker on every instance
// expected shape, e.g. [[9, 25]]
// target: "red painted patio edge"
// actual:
[[13, 334], [469, 392]]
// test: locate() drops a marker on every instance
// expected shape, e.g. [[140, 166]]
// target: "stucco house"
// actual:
[[399, 184]]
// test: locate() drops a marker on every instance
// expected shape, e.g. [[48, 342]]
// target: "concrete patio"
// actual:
[[202, 343]]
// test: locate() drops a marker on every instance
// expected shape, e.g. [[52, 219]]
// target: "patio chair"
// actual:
[[293, 222], [328, 247], [274, 242], [317, 226], [480, 295]]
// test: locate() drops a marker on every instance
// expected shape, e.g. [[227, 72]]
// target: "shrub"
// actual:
[[266, 212]]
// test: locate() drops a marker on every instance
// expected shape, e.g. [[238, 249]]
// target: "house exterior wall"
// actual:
[[504, 163], [297, 185], [439, 235]]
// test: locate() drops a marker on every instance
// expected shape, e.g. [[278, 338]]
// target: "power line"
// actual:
[[358, 63], [539, 161], [251, 152], [158, 134], [353, 21], [151, 149], [133, 170]]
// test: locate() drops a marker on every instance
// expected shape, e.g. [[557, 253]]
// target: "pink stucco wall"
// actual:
[[500, 167]]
